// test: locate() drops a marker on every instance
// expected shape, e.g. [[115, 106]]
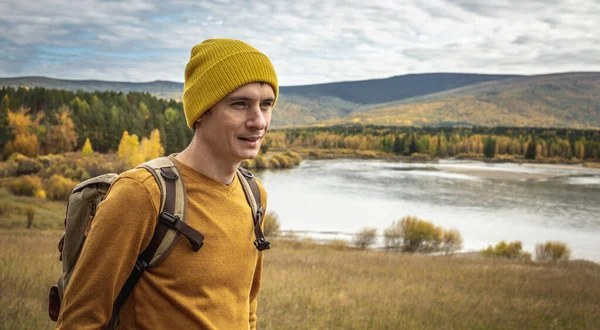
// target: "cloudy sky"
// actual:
[[309, 41]]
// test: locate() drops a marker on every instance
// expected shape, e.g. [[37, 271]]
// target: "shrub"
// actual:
[[552, 252], [392, 236], [419, 235], [8, 169], [59, 188], [248, 164], [26, 165], [261, 162], [271, 224], [365, 237], [293, 155], [285, 161], [512, 250], [30, 212], [451, 241], [25, 185], [41, 194], [274, 163]]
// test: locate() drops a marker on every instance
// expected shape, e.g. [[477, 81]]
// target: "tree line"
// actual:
[[489, 142], [37, 121], [44, 121]]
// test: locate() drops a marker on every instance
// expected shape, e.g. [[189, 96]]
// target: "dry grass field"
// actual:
[[309, 286]]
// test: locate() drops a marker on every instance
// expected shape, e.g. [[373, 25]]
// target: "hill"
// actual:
[[159, 88], [558, 100], [392, 89]]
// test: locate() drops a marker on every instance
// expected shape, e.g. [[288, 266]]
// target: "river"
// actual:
[[487, 203]]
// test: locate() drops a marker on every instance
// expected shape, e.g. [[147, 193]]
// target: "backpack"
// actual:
[[81, 209]]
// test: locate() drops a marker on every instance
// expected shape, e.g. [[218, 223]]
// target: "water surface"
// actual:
[[487, 203]]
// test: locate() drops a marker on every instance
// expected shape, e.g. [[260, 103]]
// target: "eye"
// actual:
[[239, 104], [266, 105]]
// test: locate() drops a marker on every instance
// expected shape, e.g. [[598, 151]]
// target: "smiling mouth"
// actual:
[[250, 139]]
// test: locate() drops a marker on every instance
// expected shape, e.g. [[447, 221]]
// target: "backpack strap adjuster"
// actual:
[[167, 173], [174, 222]]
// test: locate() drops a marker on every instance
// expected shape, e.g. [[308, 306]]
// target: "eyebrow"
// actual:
[[244, 98]]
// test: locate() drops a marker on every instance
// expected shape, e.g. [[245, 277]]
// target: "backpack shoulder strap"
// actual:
[[172, 213], [171, 223], [253, 197]]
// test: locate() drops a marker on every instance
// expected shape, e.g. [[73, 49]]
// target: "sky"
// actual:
[[308, 41]]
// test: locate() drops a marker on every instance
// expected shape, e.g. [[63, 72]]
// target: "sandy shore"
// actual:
[[503, 174]]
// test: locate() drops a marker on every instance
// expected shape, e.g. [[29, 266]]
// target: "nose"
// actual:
[[257, 119]]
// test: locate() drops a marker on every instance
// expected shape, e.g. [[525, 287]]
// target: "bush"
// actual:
[[274, 163], [392, 236], [261, 162], [552, 252], [41, 194], [59, 188], [248, 164], [293, 155], [26, 165], [30, 212], [512, 250], [285, 161], [25, 185], [365, 237], [451, 241], [8, 169], [271, 224], [419, 235]]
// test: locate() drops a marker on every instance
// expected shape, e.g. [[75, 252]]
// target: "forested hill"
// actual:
[[159, 88], [392, 89], [555, 100], [360, 92]]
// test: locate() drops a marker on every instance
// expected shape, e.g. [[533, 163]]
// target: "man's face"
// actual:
[[235, 126]]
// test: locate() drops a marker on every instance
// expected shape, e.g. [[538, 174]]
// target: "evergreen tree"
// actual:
[[398, 145], [489, 147], [531, 148], [5, 134], [413, 145]]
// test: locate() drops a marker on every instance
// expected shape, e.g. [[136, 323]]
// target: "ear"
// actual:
[[206, 113]]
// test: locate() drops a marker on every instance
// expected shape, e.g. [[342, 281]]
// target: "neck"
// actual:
[[201, 158]]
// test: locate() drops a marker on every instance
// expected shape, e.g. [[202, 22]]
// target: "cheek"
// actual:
[[267, 117]]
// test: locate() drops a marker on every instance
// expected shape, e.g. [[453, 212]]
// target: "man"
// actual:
[[229, 91]]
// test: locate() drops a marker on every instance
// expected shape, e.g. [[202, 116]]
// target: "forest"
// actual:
[[41, 121]]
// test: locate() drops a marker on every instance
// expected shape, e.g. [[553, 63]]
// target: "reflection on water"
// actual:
[[547, 203]]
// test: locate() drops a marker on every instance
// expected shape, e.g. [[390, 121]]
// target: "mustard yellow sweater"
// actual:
[[214, 288]]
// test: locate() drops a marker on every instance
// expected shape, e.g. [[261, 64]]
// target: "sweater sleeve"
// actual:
[[123, 226], [256, 282]]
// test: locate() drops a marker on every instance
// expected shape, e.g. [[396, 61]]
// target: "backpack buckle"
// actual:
[[167, 173], [262, 244], [169, 219]]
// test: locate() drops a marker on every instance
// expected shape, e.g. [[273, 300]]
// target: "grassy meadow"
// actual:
[[310, 286]]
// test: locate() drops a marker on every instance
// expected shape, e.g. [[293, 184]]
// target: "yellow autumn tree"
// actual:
[[128, 149], [87, 147], [25, 140], [63, 136], [133, 153], [151, 148]]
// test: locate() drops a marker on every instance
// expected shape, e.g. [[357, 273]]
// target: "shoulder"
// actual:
[[136, 184], [261, 187], [263, 192]]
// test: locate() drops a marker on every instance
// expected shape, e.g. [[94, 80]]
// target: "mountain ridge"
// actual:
[[556, 99]]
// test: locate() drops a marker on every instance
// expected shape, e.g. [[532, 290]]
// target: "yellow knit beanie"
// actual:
[[216, 68]]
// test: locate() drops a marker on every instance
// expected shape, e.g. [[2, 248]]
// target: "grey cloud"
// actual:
[[309, 41]]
